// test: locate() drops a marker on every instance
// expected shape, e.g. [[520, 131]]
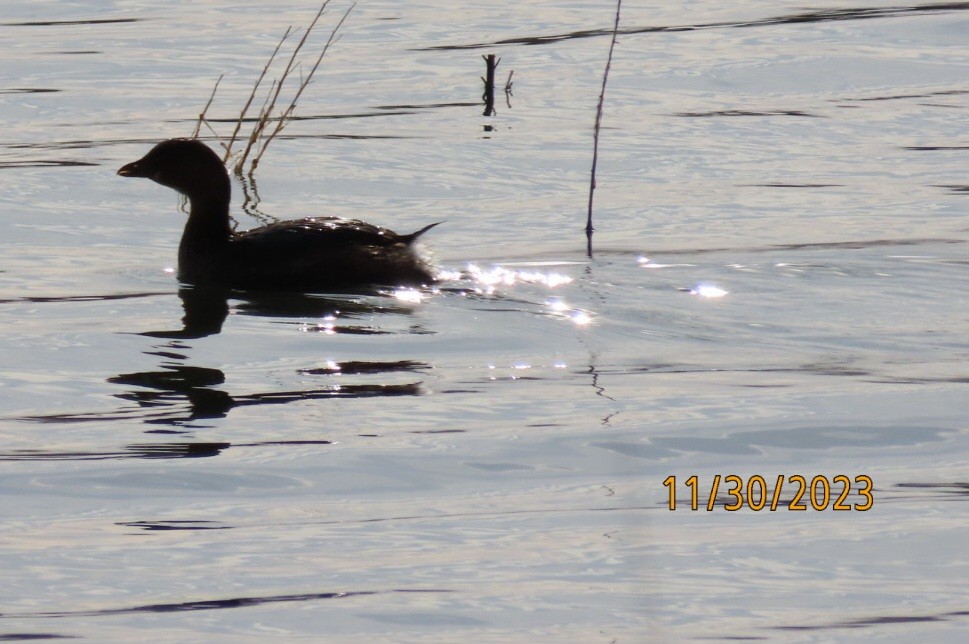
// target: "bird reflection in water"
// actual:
[[178, 397]]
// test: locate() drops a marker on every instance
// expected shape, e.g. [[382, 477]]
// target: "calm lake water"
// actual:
[[778, 288]]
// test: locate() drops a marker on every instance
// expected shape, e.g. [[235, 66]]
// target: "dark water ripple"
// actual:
[[42, 163], [942, 490], [147, 451], [859, 244], [162, 450], [161, 526], [956, 189], [746, 113], [216, 604], [881, 620], [82, 298], [69, 23], [29, 90], [822, 15], [897, 97]]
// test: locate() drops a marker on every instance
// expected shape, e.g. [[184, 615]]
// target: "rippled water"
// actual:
[[777, 289]]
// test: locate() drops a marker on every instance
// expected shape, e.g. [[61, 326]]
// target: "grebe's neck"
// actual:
[[205, 239]]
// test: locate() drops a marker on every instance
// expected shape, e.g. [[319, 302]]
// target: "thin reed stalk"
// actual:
[[595, 145], [266, 114], [269, 121], [287, 114], [198, 124], [252, 95]]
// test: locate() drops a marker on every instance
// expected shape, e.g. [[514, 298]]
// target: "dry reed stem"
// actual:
[[266, 114], [256, 129], [258, 139], [198, 125], [283, 119], [252, 95]]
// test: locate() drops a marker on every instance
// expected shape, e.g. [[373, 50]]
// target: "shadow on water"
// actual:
[[821, 15], [178, 397]]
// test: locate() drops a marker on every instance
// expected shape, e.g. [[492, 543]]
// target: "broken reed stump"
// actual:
[[489, 84], [508, 92]]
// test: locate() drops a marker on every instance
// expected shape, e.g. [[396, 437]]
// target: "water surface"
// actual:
[[776, 289]]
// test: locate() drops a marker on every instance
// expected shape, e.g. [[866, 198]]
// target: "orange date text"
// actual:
[[818, 493]]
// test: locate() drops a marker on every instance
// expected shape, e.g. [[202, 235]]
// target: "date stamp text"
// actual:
[[819, 493]]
